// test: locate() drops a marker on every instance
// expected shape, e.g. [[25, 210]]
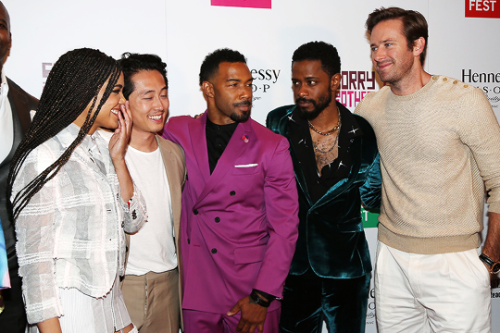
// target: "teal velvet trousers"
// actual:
[[309, 299]]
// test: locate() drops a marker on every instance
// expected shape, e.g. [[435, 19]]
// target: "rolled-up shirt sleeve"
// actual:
[[134, 210]]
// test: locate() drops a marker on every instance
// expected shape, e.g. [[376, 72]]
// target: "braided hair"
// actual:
[[73, 84]]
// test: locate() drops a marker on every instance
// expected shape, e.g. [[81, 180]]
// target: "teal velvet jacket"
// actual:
[[331, 237]]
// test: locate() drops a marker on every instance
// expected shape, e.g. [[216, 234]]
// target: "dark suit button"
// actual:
[[217, 219], [195, 211], [214, 251], [232, 193], [189, 241]]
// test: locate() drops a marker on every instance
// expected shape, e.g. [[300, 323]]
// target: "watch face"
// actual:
[[495, 268]]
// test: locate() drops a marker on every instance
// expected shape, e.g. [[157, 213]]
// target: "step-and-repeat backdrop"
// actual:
[[464, 43]]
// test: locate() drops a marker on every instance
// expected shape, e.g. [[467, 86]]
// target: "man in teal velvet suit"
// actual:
[[336, 164]]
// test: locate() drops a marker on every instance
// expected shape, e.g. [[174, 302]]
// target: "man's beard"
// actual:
[[241, 118], [323, 102]]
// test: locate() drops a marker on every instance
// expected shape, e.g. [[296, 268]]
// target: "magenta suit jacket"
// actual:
[[238, 225]]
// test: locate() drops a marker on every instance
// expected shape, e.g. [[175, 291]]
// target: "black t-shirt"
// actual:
[[218, 137]]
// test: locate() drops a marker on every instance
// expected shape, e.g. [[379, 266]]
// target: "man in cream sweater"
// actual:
[[439, 143]]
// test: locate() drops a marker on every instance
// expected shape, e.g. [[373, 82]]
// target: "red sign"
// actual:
[[243, 3], [482, 8]]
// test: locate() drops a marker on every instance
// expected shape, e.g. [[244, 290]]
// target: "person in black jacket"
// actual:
[[15, 106], [335, 158]]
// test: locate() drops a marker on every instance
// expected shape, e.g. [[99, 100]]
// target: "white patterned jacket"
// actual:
[[71, 234]]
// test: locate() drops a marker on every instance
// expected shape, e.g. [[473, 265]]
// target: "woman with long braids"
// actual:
[[72, 198]]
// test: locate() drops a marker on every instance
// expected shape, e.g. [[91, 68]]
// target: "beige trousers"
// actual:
[[152, 301]]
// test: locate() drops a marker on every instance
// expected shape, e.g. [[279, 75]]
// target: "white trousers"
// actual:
[[447, 292]]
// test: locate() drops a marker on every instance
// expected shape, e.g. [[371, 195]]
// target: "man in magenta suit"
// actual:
[[239, 207]]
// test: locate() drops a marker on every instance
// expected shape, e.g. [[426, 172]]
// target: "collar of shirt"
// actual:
[[350, 128], [91, 144], [301, 140], [4, 88], [69, 134], [6, 121]]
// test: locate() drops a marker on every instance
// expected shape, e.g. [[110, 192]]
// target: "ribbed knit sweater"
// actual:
[[439, 149]]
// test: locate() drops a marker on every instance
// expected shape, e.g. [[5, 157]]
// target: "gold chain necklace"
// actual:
[[330, 131], [339, 125]]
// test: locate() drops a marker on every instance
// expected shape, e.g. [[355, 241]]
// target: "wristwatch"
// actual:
[[258, 300], [494, 267]]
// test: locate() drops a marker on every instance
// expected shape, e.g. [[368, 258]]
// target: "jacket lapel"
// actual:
[[176, 177], [235, 148], [353, 134], [20, 121], [299, 175], [340, 186], [19, 105], [174, 185], [197, 132]]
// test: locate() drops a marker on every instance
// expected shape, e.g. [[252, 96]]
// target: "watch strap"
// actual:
[[258, 300], [494, 266], [267, 296], [487, 260]]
